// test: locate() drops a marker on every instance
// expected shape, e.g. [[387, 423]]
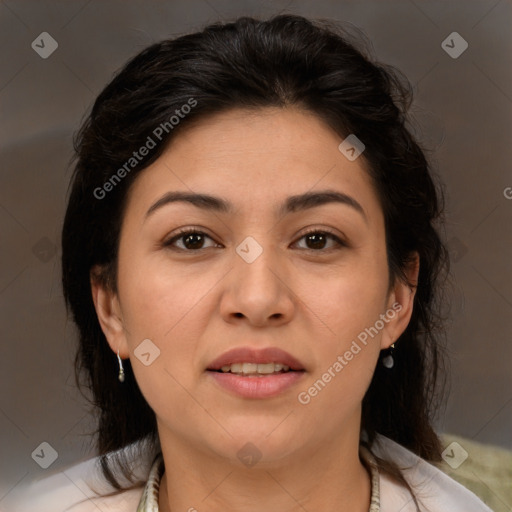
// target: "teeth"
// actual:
[[254, 369], [260, 368]]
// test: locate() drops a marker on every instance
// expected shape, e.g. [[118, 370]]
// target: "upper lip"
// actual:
[[258, 356]]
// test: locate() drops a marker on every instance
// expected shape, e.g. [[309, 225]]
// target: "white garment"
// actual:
[[434, 490], [68, 491]]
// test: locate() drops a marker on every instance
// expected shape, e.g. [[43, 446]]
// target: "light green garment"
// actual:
[[487, 470]]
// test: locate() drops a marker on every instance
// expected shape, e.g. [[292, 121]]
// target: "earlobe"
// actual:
[[401, 301], [108, 312]]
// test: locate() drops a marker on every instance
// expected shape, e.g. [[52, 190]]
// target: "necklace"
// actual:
[[150, 495]]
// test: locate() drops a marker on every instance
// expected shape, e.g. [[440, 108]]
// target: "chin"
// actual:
[[262, 442]]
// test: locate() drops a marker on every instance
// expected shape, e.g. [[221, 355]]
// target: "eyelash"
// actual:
[[188, 231]]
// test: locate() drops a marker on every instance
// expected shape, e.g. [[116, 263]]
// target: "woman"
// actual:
[[250, 255]]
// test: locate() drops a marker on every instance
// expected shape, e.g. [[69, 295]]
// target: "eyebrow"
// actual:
[[290, 205]]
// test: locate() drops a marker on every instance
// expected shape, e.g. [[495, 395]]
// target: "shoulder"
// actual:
[[78, 488], [434, 490]]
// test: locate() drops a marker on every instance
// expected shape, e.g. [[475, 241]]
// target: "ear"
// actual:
[[108, 311], [400, 301]]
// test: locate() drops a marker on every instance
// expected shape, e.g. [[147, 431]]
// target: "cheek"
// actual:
[[170, 311], [159, 297], [345, 359], [348, 305], [171, 307], [346, 299]]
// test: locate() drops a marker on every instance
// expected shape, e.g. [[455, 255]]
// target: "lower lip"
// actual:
[[257, 387]]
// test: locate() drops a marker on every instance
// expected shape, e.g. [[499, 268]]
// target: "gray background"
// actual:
[[462, 113]]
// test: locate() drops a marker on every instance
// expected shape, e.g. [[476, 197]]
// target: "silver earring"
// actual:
[[121, 369], [388, 361]]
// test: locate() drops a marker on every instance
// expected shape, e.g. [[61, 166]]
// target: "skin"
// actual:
[[309, 300]]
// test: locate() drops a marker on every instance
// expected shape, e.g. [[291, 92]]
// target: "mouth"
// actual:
[[255, 369], [247, 361], [256, 374]]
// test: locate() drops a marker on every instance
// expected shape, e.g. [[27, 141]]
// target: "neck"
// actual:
[[330, 477]]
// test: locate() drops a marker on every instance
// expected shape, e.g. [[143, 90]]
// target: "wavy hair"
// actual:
[[284, 61]]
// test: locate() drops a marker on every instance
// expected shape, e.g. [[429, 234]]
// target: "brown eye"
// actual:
[[191, 240], [317, 240]]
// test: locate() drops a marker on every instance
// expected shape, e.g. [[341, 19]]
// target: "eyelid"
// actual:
[[181, 233], [339, 240]]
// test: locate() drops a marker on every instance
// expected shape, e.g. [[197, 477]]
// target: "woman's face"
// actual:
[[252, 278]]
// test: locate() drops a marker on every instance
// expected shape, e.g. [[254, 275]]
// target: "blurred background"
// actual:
[[57, 56]]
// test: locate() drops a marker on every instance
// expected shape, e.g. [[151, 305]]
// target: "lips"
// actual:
[[260, 356]]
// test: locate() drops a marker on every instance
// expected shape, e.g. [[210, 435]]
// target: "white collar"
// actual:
[[433, 488]]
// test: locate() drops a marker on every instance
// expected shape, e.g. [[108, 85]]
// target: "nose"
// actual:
[[258, 292]]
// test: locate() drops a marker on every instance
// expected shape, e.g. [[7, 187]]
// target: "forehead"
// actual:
[[270, 135], [254, 158]]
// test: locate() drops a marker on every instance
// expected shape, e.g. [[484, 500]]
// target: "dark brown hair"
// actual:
[[284, 61]]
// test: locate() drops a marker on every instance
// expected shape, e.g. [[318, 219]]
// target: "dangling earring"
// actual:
[[121, 369], [388, 361]]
